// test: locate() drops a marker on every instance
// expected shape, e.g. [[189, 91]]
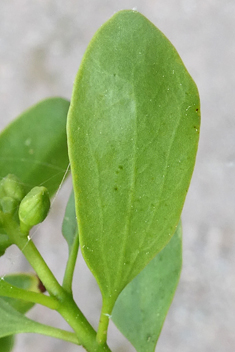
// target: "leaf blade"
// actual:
[[13, 322], [34, 147], [141, 308], [69, 226], [7, 343], [24, 281], [132, 136], [28, 282]]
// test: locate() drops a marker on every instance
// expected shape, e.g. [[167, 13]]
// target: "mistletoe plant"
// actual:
[[131, 143]]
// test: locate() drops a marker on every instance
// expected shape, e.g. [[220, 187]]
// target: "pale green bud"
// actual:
[[34, 208], [10, 186]]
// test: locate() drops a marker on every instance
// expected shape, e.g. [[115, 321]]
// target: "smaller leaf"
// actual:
[[140, 310], [69, 226], [13, 322], [29, 282], [25, 281], [34, 146], [7, 343]]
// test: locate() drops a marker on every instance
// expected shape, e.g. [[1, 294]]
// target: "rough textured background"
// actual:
[[41, 46]]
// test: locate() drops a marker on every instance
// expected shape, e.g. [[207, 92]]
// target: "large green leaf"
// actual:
[[132, 136], [141, 308], [34, 148]]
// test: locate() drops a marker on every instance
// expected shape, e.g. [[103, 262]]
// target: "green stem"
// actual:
[[7, 290], [105, 315], [87, 335], [69, 271], [33, 256], [67, 307]]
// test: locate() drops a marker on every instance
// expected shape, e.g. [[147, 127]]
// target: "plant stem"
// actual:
[[33, 256], [7, 290], [68, 276], [105, 315], [67, 307], [85, 332]]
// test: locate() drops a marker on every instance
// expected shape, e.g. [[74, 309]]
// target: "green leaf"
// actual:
[[34, 148], [13, 322], [25, 281], [29, 282], [7, 343], [69, 226], [132, 136], [141, 308]]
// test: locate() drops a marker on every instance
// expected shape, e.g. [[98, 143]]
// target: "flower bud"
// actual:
[[34, 208], [10, 186]]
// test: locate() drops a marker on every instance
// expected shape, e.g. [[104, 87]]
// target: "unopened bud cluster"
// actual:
[[11, 194], [27, 210]]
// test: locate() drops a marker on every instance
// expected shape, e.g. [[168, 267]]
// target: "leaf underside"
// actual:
[[141, 308], [132, 136]]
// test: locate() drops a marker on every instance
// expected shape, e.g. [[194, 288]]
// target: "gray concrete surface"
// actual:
[[41, 46]]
